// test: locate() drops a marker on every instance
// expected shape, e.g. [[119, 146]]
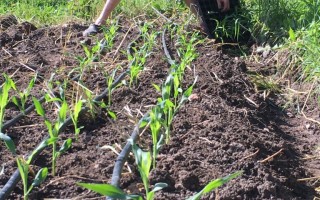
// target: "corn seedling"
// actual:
[[54, 130], [104, 106], [143, 161], [90, 53], [171, 109], [109, 191], [24, 168], [155, 126], [4, 99], [110, 80], [109, 36], [186, 51], [214, 184], [75, 116], [138, 60], [88, 100], [23, 96]]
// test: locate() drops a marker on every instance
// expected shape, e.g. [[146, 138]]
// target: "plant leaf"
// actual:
[[156, 87], [220, 181], [9, 143], [40, 177], [77, 110], [63, 112], [112, 115], [215, 184], [23, 168], [66, 145], [105, 190], [42, 145], [292, 35], [15, 101], [39, 107], [159, 186], [51, 140]]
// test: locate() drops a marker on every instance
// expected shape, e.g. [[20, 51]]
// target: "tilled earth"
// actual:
[[224, 127]]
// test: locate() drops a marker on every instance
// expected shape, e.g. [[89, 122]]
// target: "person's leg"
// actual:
[[193, 7], [109, 6]]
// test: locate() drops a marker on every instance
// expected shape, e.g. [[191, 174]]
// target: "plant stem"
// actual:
[[25, 191], [54, 147]]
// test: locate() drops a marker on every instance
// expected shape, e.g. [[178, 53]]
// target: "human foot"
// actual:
[[93, 29]]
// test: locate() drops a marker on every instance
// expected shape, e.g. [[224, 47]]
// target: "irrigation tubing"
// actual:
[[122, 157], [166, 51], [14, 120], [15, 178]]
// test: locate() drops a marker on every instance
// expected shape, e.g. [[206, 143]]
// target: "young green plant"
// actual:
[[215, 184], [54, 130], [4, 99], [143, 161], [22, 98], [110, 191], [110, 80], [110, 35], [75, 116], [24, 167], [157, 137]]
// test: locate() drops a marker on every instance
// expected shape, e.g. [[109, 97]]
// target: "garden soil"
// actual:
[[225, 126]]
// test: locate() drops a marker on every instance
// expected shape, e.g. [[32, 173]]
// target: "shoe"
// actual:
[[92, 30]]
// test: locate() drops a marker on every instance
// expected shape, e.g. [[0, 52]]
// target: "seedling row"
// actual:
[[157, 122]]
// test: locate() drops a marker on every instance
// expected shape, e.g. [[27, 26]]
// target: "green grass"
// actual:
[[268, 21], [49, 12]]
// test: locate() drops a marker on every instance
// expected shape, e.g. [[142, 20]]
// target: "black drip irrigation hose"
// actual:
[[15, 177], [166, 51], [14, 120], [21, 115], [122, 157]]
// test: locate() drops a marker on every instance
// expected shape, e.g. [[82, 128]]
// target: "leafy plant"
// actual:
[[23, 96], [143, 161], [138, 60], [110, 191], [75, 116], [214, 184], [54, 130], [157, 137], [24, 167], [110, 80], [4, 99], [109, 35]]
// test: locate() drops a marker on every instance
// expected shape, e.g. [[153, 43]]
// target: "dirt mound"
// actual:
[[226, 126], [7, 20]]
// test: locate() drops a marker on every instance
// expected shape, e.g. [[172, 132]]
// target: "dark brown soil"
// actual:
[[226, 126]]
